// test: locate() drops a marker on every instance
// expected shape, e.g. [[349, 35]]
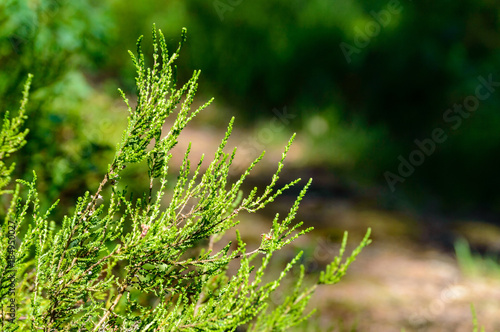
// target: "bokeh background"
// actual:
[[359, 81]]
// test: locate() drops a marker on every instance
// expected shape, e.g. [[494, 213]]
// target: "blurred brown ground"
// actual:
[[399, 282]]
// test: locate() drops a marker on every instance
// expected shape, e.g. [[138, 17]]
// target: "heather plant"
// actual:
[[12, 138], [147, 262]]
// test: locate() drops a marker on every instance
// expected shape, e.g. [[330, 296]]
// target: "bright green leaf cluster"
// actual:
[[115, 262], [12, 137]]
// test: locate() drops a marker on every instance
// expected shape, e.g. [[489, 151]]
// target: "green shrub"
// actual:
[[144, 264]]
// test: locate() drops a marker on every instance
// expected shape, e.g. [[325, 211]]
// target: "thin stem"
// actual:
[[91, 204], [112, 307]]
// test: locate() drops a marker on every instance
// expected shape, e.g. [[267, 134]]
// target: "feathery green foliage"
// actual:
[[116, 262], [12, 138]]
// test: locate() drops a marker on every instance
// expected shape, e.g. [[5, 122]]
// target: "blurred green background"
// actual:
[[407, 64]]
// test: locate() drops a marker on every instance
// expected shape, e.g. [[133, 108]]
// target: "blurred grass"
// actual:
[[476, 265]]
